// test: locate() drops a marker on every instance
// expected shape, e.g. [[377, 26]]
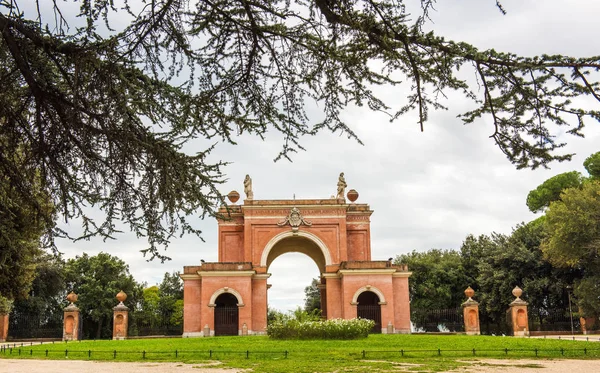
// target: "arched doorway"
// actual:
[[368, 308], [226, 315]]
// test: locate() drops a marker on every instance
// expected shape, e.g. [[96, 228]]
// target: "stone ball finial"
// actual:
[[352, 195], [72, 297], [469, 292], [121, 296], [233, 196], [517, 292]]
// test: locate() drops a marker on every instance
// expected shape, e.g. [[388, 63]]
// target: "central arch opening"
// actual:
[[294, 262]]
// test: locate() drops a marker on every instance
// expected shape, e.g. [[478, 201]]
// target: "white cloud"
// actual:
[[427, 190]]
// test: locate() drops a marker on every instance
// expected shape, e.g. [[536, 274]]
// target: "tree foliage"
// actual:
[[573, 227], [97, 280], [21, 226], [592, 165], [47, 295], [161, 306], [550, 190], [573, 241], [492, 265], [438, 278], [312, 296], [517, 260], [103, 102]]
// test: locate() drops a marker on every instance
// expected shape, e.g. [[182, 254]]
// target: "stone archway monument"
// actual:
[[334, 233]]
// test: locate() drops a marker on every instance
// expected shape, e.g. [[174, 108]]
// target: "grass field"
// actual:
[[376, 353]]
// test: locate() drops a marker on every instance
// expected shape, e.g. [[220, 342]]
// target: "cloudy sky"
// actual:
[[427, 190]]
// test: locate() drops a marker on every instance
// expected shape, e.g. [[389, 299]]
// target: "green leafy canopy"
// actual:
[[103, 94]]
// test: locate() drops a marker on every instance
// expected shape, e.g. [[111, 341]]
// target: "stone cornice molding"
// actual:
[[261, 276], [402, 274], [366, 271], [226, 273], [189, 276]]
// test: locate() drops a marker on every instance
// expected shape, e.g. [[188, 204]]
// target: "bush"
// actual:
[[289, 328]]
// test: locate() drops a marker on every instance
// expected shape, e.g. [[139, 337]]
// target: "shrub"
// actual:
[[328, 329]]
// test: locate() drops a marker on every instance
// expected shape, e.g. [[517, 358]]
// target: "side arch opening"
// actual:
[[369, 307]]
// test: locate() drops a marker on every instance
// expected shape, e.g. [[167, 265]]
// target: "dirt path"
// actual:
[[82, 366], [534, 366]]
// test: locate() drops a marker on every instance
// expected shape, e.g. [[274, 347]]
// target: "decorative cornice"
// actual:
[[189, 276], [330, 275], [353, 272], [226, 273], [402, 274], [261, 276]]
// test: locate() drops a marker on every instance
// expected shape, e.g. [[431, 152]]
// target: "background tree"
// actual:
[[573, 240], [517, 260], [550, 190], [592, 165], [438, 280], [40, 314], [103, 108], [97, 280], [170, 293], [312, 296], [21, 225]]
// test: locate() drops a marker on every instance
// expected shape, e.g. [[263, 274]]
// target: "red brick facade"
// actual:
[[336, 235]]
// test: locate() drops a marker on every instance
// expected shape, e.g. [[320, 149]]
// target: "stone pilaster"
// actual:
[[518, 314], [471, 313]]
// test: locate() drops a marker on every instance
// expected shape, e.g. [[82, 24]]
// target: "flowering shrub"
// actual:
[[327, 329]]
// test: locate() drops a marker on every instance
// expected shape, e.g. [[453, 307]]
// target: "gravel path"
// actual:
[[82, 366]]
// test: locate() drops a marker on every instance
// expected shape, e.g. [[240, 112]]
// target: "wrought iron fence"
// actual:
[[155, 324], [437, 320], [23, 326], [553, 320]]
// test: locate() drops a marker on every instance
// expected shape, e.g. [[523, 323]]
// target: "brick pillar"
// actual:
[[71, 319], [587, 324], [3, 327], [120, 317], [471, 313], [518, 314]]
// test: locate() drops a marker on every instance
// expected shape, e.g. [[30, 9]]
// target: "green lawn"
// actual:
[[376, 353]]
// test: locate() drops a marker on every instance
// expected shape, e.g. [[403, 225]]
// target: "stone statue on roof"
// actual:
[[248, 187], [341, 186]]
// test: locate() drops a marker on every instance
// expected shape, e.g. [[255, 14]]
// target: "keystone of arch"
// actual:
[[283, 235], [370, 288], [224, 290]]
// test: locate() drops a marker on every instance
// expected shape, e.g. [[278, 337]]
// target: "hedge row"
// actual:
[[327, 329]]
